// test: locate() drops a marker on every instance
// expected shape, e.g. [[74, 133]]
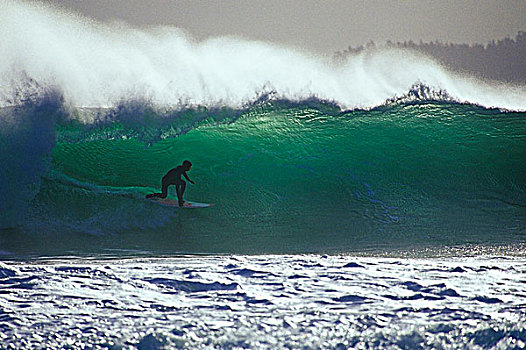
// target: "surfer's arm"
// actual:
[[186, 177]]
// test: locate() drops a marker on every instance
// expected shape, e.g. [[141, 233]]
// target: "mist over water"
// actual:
[[101, 65]]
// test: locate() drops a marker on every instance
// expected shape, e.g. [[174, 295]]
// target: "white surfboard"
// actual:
[[168, 202]]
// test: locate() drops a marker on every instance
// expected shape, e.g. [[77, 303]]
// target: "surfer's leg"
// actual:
[[164, 190], [179, 188]]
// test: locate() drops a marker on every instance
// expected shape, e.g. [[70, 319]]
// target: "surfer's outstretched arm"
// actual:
[[186, 177]]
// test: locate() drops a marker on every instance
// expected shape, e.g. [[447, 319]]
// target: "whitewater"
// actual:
[[374, 202], [96, 65]]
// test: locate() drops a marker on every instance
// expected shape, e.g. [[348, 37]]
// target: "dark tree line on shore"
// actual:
[[502, 60]]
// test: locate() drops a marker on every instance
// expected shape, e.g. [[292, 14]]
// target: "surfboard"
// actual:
[[168, 202]]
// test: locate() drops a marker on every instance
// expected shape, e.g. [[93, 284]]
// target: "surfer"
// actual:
[[173, 177]]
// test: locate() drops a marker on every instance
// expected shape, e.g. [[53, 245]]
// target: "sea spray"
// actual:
[[98, 65]]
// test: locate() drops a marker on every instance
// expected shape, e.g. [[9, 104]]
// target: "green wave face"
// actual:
[[297, 179]]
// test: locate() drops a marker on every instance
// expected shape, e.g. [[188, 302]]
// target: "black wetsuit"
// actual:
[[173, 177]]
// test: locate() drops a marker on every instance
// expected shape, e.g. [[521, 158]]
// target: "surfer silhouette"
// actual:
[[173, 177]]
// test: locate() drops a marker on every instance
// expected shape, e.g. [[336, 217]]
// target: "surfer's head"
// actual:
[[187, 165]]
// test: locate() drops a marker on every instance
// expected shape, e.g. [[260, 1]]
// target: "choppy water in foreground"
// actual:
[[265, 302]]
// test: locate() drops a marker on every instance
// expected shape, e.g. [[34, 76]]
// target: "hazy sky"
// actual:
[[322, 26]]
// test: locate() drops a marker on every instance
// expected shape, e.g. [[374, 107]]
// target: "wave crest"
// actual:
[[99, 65]]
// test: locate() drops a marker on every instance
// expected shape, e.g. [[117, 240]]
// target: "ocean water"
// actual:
[[265, 302], [374, 203], [284, 178]]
